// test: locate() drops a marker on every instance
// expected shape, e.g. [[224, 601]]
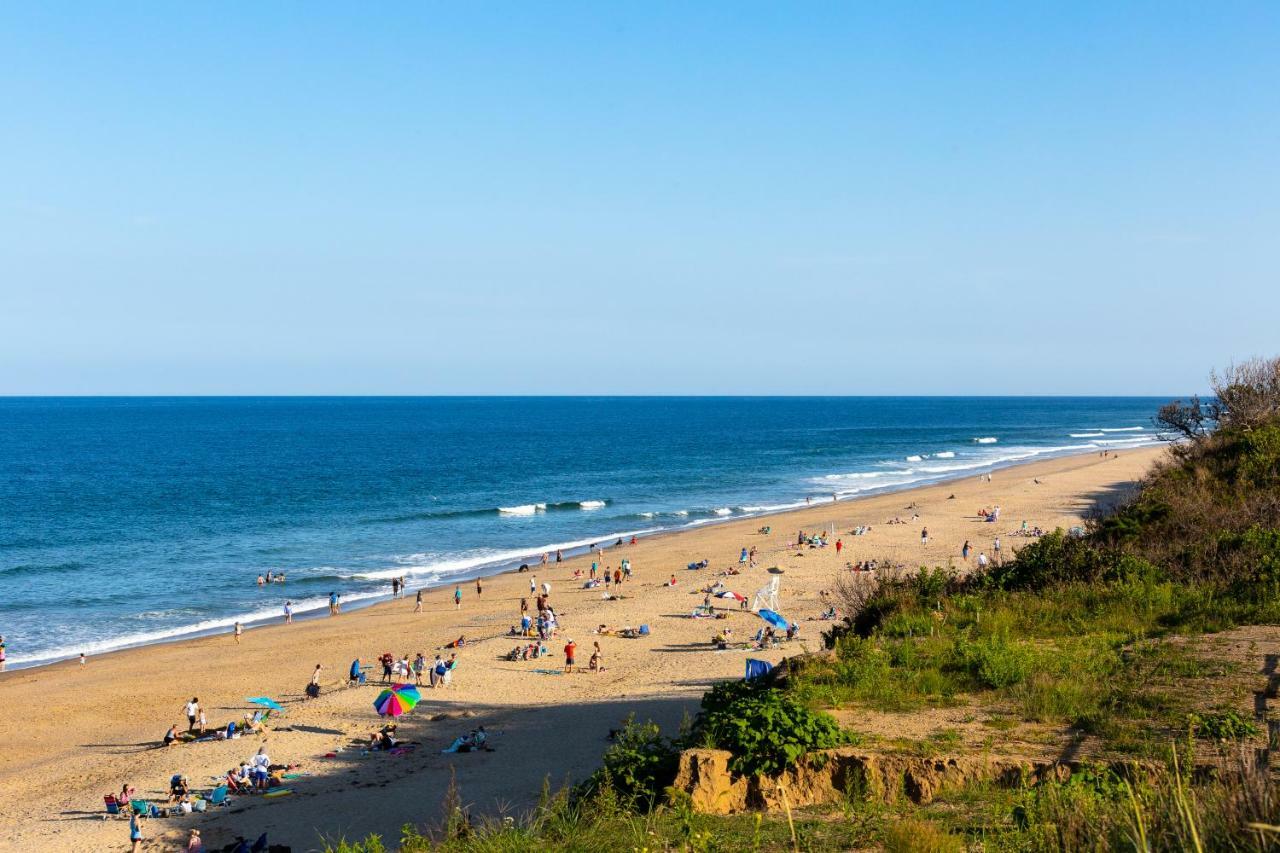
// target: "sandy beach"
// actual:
[[73, 733]]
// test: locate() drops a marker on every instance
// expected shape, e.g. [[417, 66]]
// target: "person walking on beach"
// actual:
[[239, 629], [192, 710], [288, 612], [559, 556], [964, 551], [995, 546], [457, 597], [533, 584], [839, 545], [395, 587], [135, 833], [924, 536], [543, 561], [569, 649], [479, 588], [417, 605]]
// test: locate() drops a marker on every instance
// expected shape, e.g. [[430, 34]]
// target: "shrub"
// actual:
[[765, 729], [638, 766], [994, 661]]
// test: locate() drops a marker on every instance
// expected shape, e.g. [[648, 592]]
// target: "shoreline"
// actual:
[[498, 568], [100, 724]]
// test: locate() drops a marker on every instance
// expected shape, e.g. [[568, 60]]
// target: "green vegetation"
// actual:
[[1098, 637], [765, 729]]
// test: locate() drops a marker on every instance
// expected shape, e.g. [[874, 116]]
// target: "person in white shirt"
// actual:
[[193, 713], [261, 767]]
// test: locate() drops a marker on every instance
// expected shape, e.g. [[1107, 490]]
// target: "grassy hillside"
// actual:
[[1129, 646]]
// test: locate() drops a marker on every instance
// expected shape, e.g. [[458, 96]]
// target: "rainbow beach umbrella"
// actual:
[[396, 700]]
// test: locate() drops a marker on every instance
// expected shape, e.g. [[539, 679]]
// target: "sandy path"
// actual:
[[71, 734]]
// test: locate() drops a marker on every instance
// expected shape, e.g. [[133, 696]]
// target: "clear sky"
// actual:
[[244, 198]]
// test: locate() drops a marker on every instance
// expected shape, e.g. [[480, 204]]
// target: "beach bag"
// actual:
[[644, 630]]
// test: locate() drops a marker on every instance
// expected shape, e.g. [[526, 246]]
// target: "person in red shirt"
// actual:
[[569, 649], [839, 545]]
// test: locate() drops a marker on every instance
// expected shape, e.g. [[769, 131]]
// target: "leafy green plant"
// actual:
[[766, 729], [1223, 725], [637, 767]]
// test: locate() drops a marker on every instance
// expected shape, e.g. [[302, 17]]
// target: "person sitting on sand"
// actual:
[[383, 738], [672, 582], [171, 736], [179, 787]]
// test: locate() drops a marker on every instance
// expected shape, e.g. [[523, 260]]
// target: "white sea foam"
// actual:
[[724, 510], [915, 458], [1086, 435], [1121, 429], [523, 509], [986, 440], [856, 475], [591, 504], [435, 565], [946, 454], [205, 626]]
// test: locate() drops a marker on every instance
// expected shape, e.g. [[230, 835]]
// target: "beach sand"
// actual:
[[73, 733]]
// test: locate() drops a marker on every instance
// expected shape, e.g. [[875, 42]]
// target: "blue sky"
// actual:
[[246, 198]]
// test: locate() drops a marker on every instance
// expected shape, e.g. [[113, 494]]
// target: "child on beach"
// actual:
[[417, 607], [457, 597], [239, 629]]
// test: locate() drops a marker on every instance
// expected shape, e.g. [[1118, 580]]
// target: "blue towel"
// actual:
[[757, 668]]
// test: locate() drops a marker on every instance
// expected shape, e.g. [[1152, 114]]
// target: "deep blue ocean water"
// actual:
[[133, 520]]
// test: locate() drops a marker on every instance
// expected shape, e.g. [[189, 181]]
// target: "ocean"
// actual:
[[126, 521]]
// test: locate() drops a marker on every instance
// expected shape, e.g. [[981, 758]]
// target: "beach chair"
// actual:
[[218, 796], [139, 807], [113, 805]]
